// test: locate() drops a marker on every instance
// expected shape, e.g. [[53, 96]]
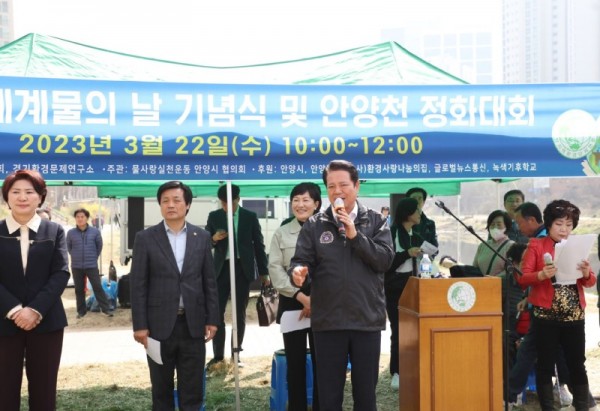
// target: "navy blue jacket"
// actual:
[[84, 246], [41, 286]]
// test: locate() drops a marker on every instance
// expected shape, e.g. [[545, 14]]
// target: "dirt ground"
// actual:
[[261, 365], [122, 317]]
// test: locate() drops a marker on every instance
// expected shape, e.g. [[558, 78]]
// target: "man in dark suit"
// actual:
[[249, 257], [174, 299]]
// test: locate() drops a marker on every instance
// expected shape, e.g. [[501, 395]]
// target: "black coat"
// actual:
[[157, 284], [42, 285], [250, 242], [406, 241]]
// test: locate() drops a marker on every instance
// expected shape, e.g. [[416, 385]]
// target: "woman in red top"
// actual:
[[558, 310]]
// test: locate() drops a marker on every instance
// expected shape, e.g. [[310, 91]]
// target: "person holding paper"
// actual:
[[558, 310], [174, 299], [425, 228], [407, 244], [305, 199]]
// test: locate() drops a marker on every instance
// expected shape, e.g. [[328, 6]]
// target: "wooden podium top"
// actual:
[[452, 296]]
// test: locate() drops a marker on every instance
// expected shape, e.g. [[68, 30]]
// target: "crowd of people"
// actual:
[[344, 267]]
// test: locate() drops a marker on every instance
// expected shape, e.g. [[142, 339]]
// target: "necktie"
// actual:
[[24, 245], [235, 240]]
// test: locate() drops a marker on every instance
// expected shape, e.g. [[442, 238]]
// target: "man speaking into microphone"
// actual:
[[343, 253]]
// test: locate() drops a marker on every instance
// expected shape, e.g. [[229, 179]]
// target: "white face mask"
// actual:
[[497, 234]]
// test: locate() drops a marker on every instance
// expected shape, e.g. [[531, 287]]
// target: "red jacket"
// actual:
[[542, 292]]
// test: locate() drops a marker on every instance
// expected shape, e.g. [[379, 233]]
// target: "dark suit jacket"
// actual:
[[156, 283], [44, 282], [250, 242]]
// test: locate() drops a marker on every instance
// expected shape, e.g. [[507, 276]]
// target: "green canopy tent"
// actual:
[[386, 64], [36, 55], [278, 188]]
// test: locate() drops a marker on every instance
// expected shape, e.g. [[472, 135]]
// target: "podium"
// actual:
[[450, 342]]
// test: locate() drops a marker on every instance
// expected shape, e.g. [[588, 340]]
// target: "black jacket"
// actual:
[[426, 230], [406, 242], [346, 275], [42, 285], [250, 242]]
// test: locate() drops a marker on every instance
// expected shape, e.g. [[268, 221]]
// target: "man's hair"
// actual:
[[169, 185], [417, 190], [515, 252], [530, 210], [222, 192], [341, 165], [513, 193], [41, 211], [81, 210]]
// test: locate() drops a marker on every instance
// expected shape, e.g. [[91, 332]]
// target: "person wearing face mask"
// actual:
[[486, 260]]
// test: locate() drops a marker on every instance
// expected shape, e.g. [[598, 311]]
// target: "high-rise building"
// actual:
[[550, 41], [466, 42], [467, 54], [7, 30]]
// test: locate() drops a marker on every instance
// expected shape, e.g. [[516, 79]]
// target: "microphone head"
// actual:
[[548, 259], [338, 204]]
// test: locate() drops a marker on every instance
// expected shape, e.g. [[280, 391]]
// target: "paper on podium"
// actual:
[[290, 322], [568, 254], [153, 350]]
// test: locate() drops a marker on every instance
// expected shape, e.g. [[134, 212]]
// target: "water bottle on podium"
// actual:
[[425, 267]]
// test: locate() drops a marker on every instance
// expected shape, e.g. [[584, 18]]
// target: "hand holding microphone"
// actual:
[[338, 206], [549, 270], [345, 224]]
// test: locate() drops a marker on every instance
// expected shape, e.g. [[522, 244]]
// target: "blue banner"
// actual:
[[118, 130]]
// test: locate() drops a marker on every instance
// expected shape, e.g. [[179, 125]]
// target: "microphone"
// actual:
[[338, 205], [441, 205], [548, 261]]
